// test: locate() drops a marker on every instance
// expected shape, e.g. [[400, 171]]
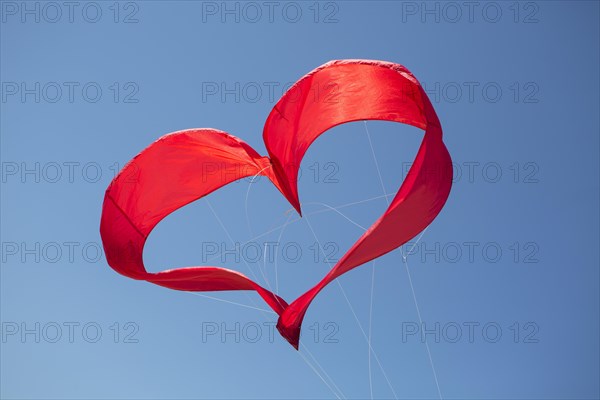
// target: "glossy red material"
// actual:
[[184, 166]]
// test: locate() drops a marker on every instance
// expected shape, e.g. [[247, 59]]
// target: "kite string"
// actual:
[[323, 369], [266, 244], [318, 374], [243, 258], [284, 226], [404, 257], [370, 329], [351, 308], [373, 273], [331, 208], [231, 302], [250, 269], [276, 261], [252, 181]]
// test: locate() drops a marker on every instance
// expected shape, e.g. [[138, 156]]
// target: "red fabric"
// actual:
[[184, 166]]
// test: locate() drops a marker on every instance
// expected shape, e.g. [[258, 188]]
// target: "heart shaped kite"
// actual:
[[184, 166]]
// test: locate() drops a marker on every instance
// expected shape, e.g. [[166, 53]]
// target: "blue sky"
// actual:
[[498, 299]]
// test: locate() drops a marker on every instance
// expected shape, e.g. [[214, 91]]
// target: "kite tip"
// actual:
[[291, 334], [298, 208]]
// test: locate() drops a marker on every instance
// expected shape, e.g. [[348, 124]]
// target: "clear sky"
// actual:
[[498, 299]]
